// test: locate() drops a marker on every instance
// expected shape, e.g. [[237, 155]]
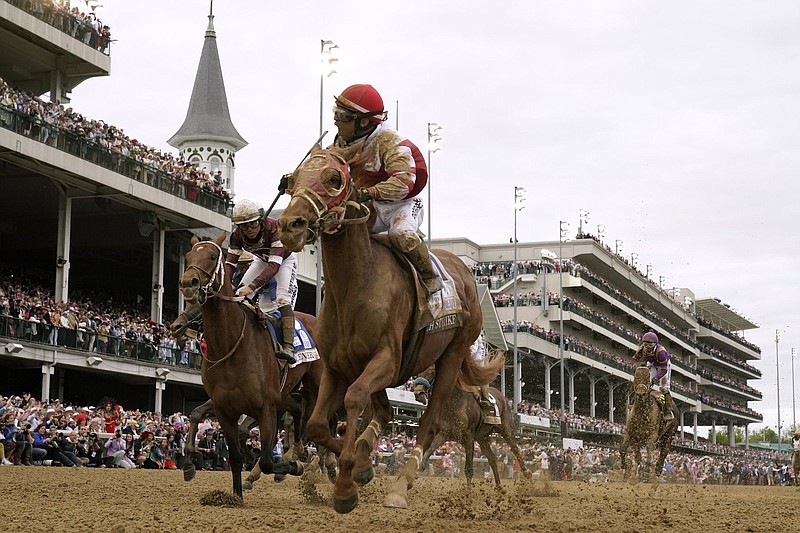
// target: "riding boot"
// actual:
[[668, 405], [422, 262], [287, 322], [190, 315], [487, 407], [26, 454]]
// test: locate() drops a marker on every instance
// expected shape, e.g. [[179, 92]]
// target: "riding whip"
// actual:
[[280, 192]]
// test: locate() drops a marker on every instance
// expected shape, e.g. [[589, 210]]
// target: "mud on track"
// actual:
[[71, 499]]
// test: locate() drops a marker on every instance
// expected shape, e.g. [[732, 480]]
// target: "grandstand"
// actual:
[[88, 208]]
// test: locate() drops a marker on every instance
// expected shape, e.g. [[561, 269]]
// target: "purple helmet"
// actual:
[[649, 337]]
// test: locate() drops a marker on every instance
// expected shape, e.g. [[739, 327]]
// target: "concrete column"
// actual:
[[747, 436], [47, 372], [157, 301], [731, 433], [160, 386], [547, 384], [63, 246], [713, 431], [571, 393], [592, 402], [56, 86], [610, 402], [694, 424]]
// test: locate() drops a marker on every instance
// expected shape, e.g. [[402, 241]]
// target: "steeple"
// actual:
[[208, 137]]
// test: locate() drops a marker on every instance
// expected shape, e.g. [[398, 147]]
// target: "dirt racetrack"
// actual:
[[116, 500]]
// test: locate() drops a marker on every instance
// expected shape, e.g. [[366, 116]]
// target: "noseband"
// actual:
[[209, 290], [331, 214]]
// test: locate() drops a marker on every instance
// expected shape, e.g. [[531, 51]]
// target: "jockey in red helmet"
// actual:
[[392, 173], [650, 351]]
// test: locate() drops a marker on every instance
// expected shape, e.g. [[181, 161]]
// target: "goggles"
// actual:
[[251, 224], [341, 114]]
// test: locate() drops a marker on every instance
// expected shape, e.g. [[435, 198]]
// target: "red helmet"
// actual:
[[364, 100]]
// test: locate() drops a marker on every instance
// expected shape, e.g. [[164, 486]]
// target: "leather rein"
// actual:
[[331, 215], [209, 291]]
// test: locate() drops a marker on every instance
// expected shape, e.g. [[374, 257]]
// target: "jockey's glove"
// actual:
[[363, 196], [663, 390], [284, 183]]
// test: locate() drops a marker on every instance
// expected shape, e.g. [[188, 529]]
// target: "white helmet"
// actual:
[[247, 211]]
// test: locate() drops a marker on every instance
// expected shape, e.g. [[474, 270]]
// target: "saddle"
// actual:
[[305, 350]]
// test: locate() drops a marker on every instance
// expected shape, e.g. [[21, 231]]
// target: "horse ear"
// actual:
[[194, 240], [222, 236]]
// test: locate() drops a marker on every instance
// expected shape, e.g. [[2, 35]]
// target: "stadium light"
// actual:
[[13, 347], [434, 138], [563, 232], [778, 383], [519, 205]]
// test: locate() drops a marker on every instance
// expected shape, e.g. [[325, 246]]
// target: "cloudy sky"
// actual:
[[674, 123]]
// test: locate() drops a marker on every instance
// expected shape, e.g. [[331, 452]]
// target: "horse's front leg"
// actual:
[[365, 444], [375, 378], [332, 388], [228, 423], [197, 414]]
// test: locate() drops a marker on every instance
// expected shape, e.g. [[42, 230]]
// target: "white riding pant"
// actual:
[[285, 278], [478, 349], [402, 220], [665, 380]]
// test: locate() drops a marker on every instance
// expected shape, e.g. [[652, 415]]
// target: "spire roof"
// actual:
[[208, 117]]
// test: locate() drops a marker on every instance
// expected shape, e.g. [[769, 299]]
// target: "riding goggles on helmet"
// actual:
[[341, 114]]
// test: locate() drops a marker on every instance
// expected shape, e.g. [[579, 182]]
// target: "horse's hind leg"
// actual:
[[486, 448], [506, 431], [229, 426], [197, 414]]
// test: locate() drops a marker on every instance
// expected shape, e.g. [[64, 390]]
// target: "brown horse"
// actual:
[[240, 372], [645, 427], [462, 421], [366, 323], [796, 466]]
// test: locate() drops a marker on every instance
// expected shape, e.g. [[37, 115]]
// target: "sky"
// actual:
[[675, 124]]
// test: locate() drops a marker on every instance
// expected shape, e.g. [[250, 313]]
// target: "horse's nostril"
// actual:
[[195, 283]]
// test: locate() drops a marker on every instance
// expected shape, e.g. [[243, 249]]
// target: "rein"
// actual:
[[209, 291], [331, 215]]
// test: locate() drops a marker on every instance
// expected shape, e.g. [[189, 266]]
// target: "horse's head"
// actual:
[[204, 272], [641, 380], [321, 190]]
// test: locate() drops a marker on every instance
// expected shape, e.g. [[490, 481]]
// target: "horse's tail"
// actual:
[[479, 373]]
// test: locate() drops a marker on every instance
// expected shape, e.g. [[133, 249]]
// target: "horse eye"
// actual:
[[333, 183]]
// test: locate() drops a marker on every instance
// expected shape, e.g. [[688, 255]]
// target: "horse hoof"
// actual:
[[246, 485], [300, 469], [363, 477], [395, 501], [279, 477], [345, 505], [189, 473]]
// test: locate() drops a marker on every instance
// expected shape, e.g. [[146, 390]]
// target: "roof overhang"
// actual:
[[718, 312]]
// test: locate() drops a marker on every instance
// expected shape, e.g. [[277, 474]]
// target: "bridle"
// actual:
[[209, 291], [204, 292], [331, 214]]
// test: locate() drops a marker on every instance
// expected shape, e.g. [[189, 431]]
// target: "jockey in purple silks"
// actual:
[[650, 351]]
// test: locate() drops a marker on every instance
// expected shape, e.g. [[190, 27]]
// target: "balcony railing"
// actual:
[[71, 24], [95, 343], [81, 147]]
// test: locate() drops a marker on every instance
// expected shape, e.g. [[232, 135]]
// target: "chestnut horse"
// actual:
[[240, 371], [462, 421], [645, 427], [366, 325]]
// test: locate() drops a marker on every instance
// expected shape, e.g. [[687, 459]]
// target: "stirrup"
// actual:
[[286, 355]]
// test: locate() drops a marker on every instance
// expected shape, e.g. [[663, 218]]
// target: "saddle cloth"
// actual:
[[305, 351], [445, 305]]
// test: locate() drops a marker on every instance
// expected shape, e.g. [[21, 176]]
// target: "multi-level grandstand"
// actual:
[[90, 210]]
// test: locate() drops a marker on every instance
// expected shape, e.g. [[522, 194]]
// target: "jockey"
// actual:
[[649, 351], [392, 173], [478, 353], [258, 234]]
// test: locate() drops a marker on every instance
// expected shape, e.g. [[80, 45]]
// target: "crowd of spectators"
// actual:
[[85, 27], [90, 322], [106, 145]]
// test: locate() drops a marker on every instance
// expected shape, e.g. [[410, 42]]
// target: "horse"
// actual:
[[367, 323], [306, 374], [462, 421], [796, 465], [646, 427], [239, 369]]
